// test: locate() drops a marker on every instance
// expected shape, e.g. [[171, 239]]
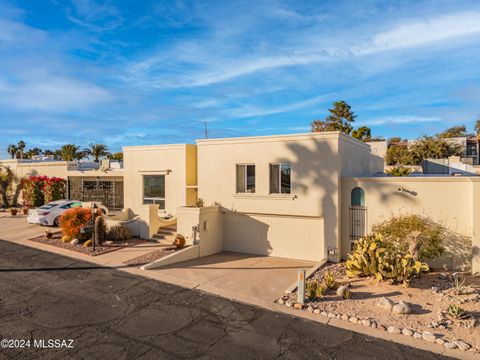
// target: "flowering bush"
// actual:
[[39, 190], [53, 189], [33, 191], [73, 220]]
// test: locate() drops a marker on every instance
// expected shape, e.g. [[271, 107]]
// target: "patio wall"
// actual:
[[451, 201]]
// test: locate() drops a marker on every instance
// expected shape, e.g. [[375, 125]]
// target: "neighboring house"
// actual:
[[86, 181]]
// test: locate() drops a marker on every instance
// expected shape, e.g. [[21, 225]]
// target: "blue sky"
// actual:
[[151, 72]]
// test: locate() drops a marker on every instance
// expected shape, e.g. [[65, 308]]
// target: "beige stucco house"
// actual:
[[302, 196]]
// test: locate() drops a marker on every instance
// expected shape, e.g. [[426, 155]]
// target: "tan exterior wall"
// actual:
[[169, 160], [316, 170], [447, 200], [47, 168]]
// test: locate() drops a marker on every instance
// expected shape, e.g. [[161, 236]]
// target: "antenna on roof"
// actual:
[[206, 130]]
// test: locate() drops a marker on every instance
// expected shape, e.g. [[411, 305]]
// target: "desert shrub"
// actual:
[[321, 290], [456, 312], [347, 294], [199, 203], [330, 281], [399, 171], [73, 220], [118, 233], [416, 234], [311, 289], [372, 257]]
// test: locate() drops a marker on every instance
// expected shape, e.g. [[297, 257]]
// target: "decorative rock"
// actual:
[[385, 303], [393, 330], [109, 242], [373, 324], [74, 242], [298, 306], [316, 311], [462, 345], [440, 341], [401, 308], [407, 332], [288, 304], [345, 317], [450, 345], [310, 309], [417, 335], [338, 316], [341, 290], [428, 336], [331, 315], [281, 302], [366, 322], [323, 313], [353, 319]]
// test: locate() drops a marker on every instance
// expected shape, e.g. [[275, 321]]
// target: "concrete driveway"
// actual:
[[253, 279]]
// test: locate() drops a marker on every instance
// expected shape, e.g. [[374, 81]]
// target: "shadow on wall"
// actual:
[[458, 253], [245, 233], [315, 171]]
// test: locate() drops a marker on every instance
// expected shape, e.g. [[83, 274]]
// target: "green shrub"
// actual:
[[347, 294], [416, 234], [321, 290], [311, 289], [372, 257], [330, 281], [399, 171], [456, 312]]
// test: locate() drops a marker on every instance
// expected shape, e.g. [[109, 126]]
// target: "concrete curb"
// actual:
[[188, 253]]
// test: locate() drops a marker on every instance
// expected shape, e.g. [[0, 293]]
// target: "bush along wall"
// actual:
[[54, 189], [39, 190]]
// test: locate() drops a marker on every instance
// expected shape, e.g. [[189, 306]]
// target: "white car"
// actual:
[[49, 214]]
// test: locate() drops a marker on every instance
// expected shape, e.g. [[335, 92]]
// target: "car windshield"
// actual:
[[48, 206]]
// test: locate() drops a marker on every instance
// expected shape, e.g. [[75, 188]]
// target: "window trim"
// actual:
[[154, 199], [246, 177], [279, 178]]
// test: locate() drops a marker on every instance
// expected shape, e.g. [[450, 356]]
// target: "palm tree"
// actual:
[[12, 150], [33, 152], [6, 180], [70, 152], [97, 151], [21, 147]]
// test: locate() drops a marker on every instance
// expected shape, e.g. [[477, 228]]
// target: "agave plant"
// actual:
[[330, 281], [456, 312], [399, 171]]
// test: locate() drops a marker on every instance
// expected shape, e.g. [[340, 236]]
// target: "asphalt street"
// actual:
[[60, 308]]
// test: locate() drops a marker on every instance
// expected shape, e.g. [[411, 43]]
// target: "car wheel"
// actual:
[[56, 222]]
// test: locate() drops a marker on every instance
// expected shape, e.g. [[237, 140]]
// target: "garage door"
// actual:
[[283, 236]]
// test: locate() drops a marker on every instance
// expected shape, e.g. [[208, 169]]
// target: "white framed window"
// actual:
[[280, 178], [245, 178], [154, 190]]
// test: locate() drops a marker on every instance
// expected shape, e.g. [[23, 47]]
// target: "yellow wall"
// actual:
[[169, 160], [447, 200]]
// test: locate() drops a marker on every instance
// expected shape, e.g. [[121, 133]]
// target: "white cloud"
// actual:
[[398, 120], [51, 94]]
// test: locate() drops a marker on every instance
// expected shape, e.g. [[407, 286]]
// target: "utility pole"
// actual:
[[206, 130]]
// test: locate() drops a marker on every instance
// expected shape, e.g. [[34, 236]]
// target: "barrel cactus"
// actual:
[[99, 230]]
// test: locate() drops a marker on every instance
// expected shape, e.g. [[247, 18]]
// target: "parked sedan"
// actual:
[[49, 214]]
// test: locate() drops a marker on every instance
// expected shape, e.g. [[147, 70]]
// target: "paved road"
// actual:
[[114, 315]]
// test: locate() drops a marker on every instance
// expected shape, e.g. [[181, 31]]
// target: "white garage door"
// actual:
[[283, 236]]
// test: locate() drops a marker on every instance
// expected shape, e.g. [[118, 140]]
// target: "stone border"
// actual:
[[449, 343]]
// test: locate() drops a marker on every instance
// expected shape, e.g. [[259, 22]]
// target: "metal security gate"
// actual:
[[107, 190], [358, 222]]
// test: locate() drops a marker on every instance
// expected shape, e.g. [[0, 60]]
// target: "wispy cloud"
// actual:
[[409, 119]]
